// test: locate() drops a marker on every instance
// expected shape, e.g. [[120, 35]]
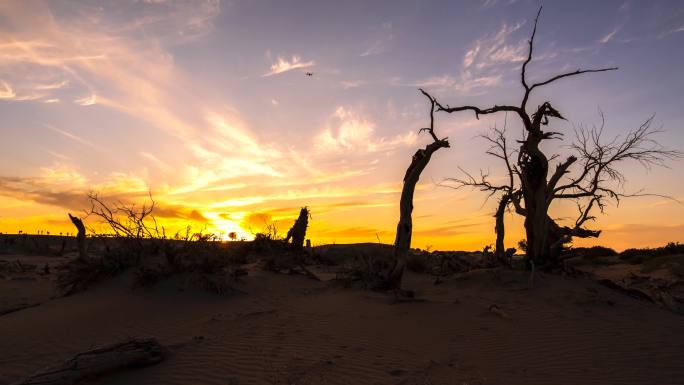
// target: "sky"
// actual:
[[206, 104]]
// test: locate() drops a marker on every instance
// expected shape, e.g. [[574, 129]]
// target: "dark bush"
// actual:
[[638, 256], [417, 262], [594, 252]]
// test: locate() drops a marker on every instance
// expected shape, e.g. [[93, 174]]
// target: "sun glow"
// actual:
[[233, 135]]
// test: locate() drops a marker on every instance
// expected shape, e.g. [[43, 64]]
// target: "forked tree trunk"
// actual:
[[80, 236], [402, 242]]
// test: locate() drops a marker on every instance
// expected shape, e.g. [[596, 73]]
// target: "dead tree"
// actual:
[[402, 242], [298, 231], [597, 178], [508, 193], [128, 222], [539, 187], [80, 236]]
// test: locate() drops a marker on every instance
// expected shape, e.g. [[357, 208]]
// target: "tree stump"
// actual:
[[80, 237], [298, 231]]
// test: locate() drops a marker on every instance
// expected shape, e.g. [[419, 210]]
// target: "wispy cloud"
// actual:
[[284, 65], [87, 101], [608, 37], [671, 31], [347, 131], [71, 136], [347, 84], [8, 93], [381, 43], [158, 162], [466, 82], [496, 48]]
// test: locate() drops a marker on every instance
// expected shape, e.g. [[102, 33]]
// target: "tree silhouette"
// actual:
[[402, 242], [80, 237], [596, 180], [507, 193]]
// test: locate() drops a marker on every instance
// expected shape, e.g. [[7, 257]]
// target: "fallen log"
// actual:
[[133, 353]]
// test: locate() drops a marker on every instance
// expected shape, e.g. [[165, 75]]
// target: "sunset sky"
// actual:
[[206, 104]]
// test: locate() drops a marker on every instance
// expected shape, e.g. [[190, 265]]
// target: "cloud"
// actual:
[[257, 221], [71, 136], [483, 62], [353, 232], [671, 31], [609, 36], [8, 93], [179, 212], [116, 53], [381, 43], [465, 83], [349, 132], [449, 231], [283, 65], [494, 49], [347, 84], [87, 101], [158, 162], [51, 86]]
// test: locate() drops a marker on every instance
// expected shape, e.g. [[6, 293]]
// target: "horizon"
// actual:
[[208, 105]]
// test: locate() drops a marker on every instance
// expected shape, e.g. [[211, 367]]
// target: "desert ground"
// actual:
[[483, 326]]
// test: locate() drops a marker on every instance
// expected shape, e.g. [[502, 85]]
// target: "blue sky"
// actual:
[[207, 104]]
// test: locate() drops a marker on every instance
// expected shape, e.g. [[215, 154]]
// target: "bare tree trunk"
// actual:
[[534, 167], [80, 236], [402, 242], [499, 229]]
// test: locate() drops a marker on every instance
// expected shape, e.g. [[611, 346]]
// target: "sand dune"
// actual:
[[293, 330]]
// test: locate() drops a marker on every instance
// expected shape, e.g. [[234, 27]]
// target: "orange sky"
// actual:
[[206, 105]]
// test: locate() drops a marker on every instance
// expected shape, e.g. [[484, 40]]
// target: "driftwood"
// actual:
[[106, 359]]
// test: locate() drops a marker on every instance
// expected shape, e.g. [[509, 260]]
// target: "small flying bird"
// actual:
[[309, 74]]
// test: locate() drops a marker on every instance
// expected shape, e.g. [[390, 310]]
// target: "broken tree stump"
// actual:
[[80, 237], [298, 231], [133, 353]]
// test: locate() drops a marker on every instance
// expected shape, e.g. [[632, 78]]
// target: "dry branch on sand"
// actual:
[[102, 360]]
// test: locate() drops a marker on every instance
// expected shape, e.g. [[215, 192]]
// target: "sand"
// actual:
[[294, 330]]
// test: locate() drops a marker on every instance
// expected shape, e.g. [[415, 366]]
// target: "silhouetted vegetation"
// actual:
[[532, 185], [402, 242], [640, 255], [136, 242]]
